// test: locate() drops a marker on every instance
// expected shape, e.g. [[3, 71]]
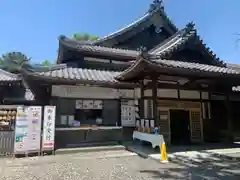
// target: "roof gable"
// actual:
[[180, 39], [156, 9]]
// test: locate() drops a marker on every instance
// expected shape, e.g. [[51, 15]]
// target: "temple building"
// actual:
[[149, 69]]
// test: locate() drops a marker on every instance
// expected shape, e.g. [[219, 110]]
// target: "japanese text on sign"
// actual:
[[49, 127]]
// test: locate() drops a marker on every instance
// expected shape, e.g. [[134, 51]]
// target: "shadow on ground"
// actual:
[[146, 147], [202, 167]]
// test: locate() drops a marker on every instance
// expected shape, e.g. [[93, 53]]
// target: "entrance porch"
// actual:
[[169, 86]]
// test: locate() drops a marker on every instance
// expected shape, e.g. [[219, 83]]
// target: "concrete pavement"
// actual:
[[192, 152], [115, 165]]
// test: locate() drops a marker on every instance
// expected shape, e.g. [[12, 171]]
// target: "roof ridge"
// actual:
[[76, 68], [124, 29], [97, 48], [156, 7], [173, 62], [186, 32], [158, 4], [187, 62]]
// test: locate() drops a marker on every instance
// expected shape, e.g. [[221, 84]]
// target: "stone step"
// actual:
[[90, 149]]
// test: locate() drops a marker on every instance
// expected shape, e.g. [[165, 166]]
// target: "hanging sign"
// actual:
[[21, 131], [49, 128], [34, 117]]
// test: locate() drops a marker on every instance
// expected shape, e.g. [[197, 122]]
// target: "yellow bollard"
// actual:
[[163, 151]]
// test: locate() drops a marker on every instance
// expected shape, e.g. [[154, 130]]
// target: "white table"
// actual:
[[154, 139]]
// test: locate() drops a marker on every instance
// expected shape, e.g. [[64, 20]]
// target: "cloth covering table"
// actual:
[[154, 139]]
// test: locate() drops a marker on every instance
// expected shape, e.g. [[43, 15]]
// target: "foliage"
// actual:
[[14, 62], [46, 63], [84, 37]]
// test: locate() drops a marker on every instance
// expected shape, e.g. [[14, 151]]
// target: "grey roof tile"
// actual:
[[234, 66], [146, 17], [78, 45], [179, 39], [175, 40], [195, 66], [7, 76], [82, 74]]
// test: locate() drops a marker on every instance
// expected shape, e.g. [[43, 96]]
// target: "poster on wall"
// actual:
[[128, 115], [21, 131], [34, 117], [48, 128]]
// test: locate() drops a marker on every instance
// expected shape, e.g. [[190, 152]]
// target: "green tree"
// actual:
[[84, 37], [14, 62], [46, 63]]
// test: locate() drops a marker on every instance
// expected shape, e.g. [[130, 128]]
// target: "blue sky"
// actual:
[[32, 27]]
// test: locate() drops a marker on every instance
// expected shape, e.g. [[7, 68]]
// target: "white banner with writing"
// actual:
[[34, 117], [48, 139], [21, 131]]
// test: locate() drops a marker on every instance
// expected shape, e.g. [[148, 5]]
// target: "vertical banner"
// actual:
[[21, 131], [34, 117], [48, 128]]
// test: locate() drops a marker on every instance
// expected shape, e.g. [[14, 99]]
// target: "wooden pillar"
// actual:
[[229, 119], [154, 99], [141, 100]]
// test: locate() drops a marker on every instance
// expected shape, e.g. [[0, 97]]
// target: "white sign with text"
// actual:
[[34, 118], [48, 139]]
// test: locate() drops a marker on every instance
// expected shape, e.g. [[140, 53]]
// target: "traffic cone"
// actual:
[[163, 151]]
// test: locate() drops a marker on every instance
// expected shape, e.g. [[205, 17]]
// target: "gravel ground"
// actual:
[[114, 165]]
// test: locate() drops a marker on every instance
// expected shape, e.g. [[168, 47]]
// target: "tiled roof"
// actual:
[[234, 66], [8, 77], [176, 41], [155, 8], [80, 46], [41, 68], [237, 68], [81, 74], [195, 66], [149, 61]]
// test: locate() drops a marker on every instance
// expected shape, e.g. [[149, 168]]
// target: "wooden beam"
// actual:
[[229, 119], [142, 100], [154, 99]]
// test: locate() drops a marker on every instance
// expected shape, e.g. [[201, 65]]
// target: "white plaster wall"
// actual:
[[84, 92], [170, 93], [187, 94], [148, 92], [93, 92]]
